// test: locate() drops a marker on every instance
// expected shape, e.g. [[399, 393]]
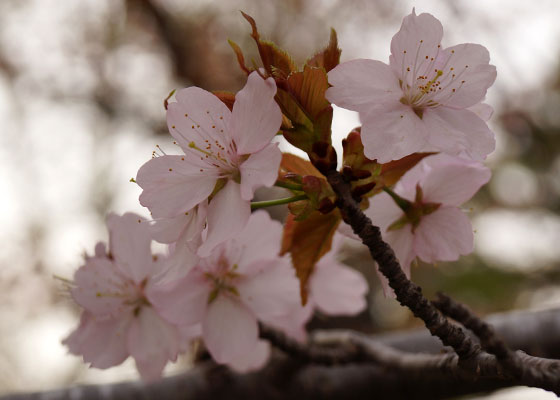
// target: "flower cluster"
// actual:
[[225, 270]]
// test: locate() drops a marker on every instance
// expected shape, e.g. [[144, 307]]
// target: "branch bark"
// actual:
[[408, 294], [401, 375], [496, 361]]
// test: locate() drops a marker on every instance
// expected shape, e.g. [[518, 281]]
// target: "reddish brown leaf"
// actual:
[[301, 209], [228, 98], [304, 103], [240, 57], [392, 171], [307, 241], [329, 57], [288, 234], [367, 176], [297, 165], [166, 100], [309, 87], [300, 133], [275, 61]]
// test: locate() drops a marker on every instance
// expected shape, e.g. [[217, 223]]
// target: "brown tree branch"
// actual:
[[489, 340], [500, 362], [396, 374], [408, 294]]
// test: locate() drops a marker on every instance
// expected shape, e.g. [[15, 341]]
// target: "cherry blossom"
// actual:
[[243, 280], [423, 100], [118, 318], [432, 227], [184, 236], [334, 289], [228, 154]]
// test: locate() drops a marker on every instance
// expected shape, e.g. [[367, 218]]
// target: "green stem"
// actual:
[[288, 185], [277, 202], [402, 203]]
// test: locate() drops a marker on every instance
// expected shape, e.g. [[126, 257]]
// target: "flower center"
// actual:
[[427, 81], [223, 279], [216, 155], [413, 211], [132, 294]]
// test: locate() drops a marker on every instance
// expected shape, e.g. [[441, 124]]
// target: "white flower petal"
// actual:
[[230, 330], [260, 169], [228, 214], [256, 117]]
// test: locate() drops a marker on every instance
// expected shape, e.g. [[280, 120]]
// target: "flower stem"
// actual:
[[402, 203], [269, 203], [288, 185]]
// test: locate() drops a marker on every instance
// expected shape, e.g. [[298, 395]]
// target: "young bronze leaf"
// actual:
[[307, 241], [309, 87], [367, 176], [329, 57], [304, 103], [300, 134], [297, 165], [276, 61], [228, 98], [392, 171], [240, 57]]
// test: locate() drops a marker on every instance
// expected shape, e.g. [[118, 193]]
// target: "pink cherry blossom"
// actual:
[[334, 289], [243, 280], [118, 318], [433, 228], [426, 99], [184, 236], [227, 156]]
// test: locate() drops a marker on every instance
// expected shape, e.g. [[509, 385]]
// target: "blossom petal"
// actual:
[[271, 290], [197, 116], [228, 214], [452, 181], [230, 330], [259, 240], [483, 111], [183, 256], [183, 301], [152, 342], [167, 230], [99, 287], [256, 117], [252, 361], [101, 341], [443, 235], [346, 230], [187, 226], [130, 244], [260, 169], [415, 47], [337, 289], [187, 333], [383, 211], [293, 324], [361, 84], [402, 242], [173, 185], [459, 133], [467, 75], [392, 131]]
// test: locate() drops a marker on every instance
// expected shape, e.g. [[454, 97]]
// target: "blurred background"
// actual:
[[81, 90]]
